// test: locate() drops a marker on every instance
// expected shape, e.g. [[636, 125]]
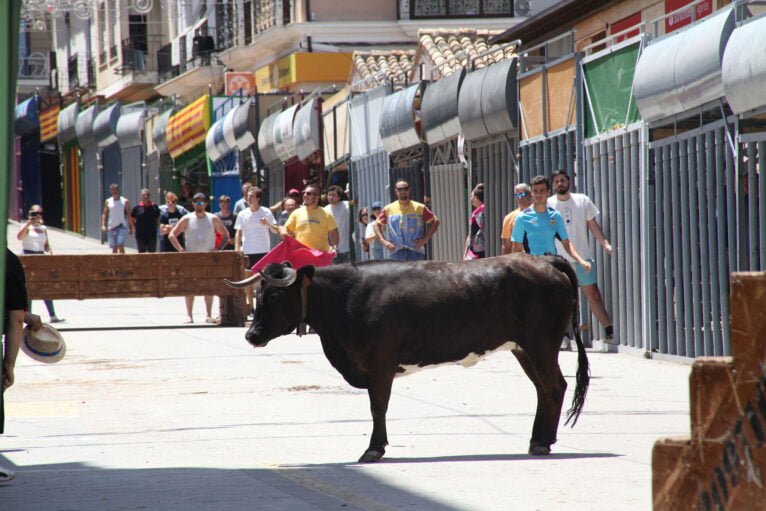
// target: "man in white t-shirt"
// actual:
[[252, 228], [340, 211], [579, 214]]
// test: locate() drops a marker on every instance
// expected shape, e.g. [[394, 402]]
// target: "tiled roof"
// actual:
[[450, 49], [395, 63]]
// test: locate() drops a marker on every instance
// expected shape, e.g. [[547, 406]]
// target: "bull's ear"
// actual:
[[307, 271]]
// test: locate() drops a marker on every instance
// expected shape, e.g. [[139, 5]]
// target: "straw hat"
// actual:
[[44, 345]]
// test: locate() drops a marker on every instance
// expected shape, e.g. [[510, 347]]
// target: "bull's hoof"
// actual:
[[539, 450], [371, 456]]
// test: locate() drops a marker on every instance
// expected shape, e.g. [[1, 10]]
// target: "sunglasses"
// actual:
[[35, 213], [309, 193], [520, 195], [403, 189], [200, 203]]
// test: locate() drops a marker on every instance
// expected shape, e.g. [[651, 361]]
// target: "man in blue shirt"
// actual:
[[541, 225]]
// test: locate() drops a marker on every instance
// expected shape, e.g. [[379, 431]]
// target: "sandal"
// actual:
[[6, 474]]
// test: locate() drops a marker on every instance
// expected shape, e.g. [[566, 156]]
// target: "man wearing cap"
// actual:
[[408, 224], [312, 225], [117, 214], [199, 228], [13, 325], [339, 210]]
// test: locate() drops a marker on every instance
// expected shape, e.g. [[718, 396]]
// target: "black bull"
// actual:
[[376, 318]]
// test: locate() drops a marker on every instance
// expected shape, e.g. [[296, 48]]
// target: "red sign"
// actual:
[[625, 24], [239, 80], [684, 17]]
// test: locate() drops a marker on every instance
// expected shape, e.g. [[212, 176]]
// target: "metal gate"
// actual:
[[448, 188], [694, 241], [612, 179], [369, 183], [544, 155], [493, 164], [93, 201], [751, 206]]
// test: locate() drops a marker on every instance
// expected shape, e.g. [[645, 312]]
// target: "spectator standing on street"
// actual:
[[200, 228], [186, 195], [364, 220], [312, 225], [408, 225], [34, 240], [170, 213], [116, 219], [228, 218], [541, 225], [523, 195], [376, 247], [15, 315], [241, 204], [340, 211], [146, 220], [579, 214], [474, 242], [252, 228], [288, 206]]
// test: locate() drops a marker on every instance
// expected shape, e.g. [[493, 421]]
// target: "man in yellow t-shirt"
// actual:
[[408, 226], [523, 194], [312, 225]]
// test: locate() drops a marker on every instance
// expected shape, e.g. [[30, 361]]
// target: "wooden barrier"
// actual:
[[723, 464], [83, 277]]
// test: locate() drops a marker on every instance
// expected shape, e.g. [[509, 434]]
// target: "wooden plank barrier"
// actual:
[[723, 465], [83, 277]]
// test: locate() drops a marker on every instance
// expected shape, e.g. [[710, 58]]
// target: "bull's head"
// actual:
[[278, 301]]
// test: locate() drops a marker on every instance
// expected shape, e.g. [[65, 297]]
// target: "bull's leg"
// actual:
[[379, 392], [546, 375]]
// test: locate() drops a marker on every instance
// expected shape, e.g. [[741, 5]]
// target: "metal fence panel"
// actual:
[[369, 183], [492, 164], [93, 202], [542, 156], [450, 199]]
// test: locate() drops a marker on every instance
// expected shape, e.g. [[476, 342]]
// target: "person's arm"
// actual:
[[572, 251], [221, 229], [104, 216], [334, 239], [379, 234], [24, 230], [507, 247], [47, 246], [131, 220], [238, 240], [276, 207], [177, 230], [430, 231], [595, 229], [12, 344], [516, 247]]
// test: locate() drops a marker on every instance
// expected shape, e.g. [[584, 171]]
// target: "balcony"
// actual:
[[34, 71], [429, 9]]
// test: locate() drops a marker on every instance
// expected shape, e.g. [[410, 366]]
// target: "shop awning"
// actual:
[[266, 140], [49, 123], [284, 141], [130, 128], [306, 130], [398, 127], [487, 105], [188, 128], [335, 126], [105, 125], [439, 111], [66, 123], [683, 70], [158, 131], [26, 119], [245, 125], [744, 67], [220, 139], [84, 126]]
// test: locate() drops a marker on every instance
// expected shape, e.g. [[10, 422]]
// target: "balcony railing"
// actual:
[[72, 68], [34, 66], [419, 9], [136, 54], [205, 44], [270, 13]]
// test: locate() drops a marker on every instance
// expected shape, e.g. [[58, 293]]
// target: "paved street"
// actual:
[[147, 413]]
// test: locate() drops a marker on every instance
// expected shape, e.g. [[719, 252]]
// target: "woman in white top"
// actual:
[[34, 240]]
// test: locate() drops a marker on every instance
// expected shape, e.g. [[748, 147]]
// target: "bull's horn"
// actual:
[[289, 278], [243, 283]]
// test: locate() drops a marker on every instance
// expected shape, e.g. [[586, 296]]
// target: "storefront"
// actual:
[[70, 168], [185, 136], [92, 197]]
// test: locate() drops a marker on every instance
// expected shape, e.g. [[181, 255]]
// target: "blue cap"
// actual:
[[376, 205]]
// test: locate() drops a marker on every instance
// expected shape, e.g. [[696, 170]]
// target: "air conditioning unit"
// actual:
[[521, 8]]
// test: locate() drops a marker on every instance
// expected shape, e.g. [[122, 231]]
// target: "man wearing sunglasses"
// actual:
[[312, 225], [523, 195], [408, 225], [199, 227]]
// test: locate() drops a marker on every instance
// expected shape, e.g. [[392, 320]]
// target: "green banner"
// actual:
[[609, 100]]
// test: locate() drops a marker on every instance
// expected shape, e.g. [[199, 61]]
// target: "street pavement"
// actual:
[[147, 413]]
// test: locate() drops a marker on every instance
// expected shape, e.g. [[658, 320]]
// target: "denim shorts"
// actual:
[[117, 236], [585, 279]]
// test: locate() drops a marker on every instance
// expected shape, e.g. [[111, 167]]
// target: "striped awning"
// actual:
[[188, 128], [49, 123]]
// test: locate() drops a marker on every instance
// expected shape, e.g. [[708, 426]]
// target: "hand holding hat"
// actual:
[[44, 344]]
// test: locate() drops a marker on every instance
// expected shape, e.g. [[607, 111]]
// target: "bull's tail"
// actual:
[[583, 370]]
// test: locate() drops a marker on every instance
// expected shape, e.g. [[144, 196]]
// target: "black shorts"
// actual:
[[254, 258]]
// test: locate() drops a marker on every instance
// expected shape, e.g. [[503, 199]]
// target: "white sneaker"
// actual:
[[6, 474], [56, 319]]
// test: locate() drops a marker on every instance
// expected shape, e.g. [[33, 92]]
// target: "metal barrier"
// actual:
[[544, 155], [493, 165], [450, 198]]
